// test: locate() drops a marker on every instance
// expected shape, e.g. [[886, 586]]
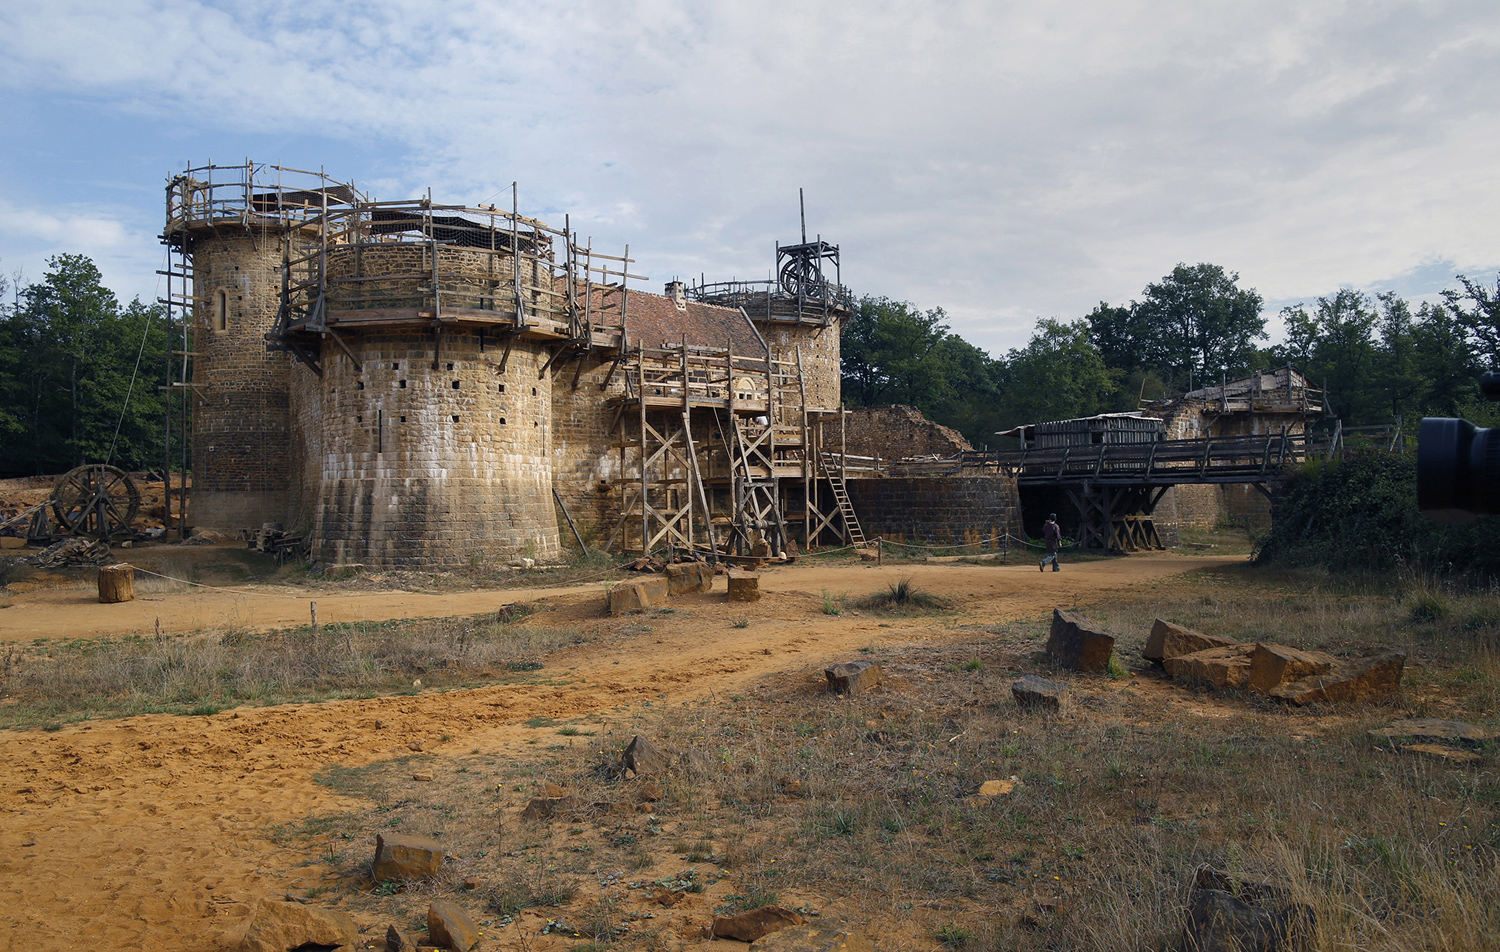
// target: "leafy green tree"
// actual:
[[1445, 364], [1197, 324], [84, 372], [895, 353], [969, 402], [1121, 335], [1478, 311], [1335, 345], [1058, 375]]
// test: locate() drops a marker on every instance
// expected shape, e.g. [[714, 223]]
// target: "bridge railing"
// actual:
[[1215, 459]]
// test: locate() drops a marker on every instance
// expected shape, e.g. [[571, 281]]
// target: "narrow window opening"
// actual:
[[221, 310]]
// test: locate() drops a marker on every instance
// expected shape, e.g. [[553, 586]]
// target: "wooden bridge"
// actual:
[[1117, 486]]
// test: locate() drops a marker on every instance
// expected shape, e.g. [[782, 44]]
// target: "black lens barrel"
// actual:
[[1458, 469]]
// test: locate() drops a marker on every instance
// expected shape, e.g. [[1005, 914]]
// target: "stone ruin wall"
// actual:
[[241, 448], [895, 432], [451, 468]]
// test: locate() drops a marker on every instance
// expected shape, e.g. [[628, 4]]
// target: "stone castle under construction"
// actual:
[[406, 383], [411, 383]]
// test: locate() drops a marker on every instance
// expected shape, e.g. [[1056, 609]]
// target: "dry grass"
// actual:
[[50, 683], [1120, 799], [903, 597]]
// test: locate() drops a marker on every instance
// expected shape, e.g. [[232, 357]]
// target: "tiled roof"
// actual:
[[655, 321]]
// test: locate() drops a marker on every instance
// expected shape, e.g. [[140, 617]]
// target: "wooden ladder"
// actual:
[[841, 496]]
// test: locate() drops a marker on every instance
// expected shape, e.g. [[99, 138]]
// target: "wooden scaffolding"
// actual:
[[721, 456]]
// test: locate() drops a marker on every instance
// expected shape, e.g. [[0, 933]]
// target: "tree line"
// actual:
[[1378, 359], [79, 373]]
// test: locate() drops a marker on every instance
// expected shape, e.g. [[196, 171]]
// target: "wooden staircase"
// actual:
[[834, 475]]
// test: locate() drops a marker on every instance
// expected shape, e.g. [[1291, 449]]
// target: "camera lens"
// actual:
[[1458, 469]]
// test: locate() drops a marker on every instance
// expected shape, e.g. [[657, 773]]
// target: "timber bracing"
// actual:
[[717, 452], [1117, 486]]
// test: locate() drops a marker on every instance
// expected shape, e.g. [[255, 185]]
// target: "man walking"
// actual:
[[1052, 535]]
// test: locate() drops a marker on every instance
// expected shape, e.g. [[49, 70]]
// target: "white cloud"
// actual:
[[1003, 160]]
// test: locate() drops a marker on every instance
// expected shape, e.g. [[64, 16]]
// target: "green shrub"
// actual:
[[1359, 514]]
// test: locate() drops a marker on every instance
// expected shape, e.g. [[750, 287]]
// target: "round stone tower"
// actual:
[[228, 227], [422, 420]]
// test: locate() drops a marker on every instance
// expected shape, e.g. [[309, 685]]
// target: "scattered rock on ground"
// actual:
[[649, 792], [1445, 753], [853, 677], [396, 940], [1368, 679], [751, 925], [1432, 728], [825, 935], [1168, 640], [1273, 665], [449, 927], [997, 788], [1034, 692], [744, 587], [1220, 922], [1252, 889], [638, 594], [403, 857], [645, 758], [284, 926], [687, 577], [1226, 667], [545, 808], [1078, 643]]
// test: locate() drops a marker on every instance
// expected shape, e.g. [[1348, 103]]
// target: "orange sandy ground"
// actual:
[[150, 833]]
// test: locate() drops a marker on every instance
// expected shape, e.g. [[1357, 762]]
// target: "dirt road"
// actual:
[[151, 832]]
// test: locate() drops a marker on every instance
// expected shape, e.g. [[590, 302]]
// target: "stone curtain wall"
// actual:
[[936, 510], [451, 468], [895, 432], [241, 444]]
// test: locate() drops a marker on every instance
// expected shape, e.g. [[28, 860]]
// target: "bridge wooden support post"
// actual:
[[1117, 518]]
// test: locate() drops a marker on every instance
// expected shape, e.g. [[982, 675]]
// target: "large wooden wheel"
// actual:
[[96, 501]]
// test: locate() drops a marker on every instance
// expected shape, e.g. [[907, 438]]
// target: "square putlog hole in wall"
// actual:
[[455, 419], [455, 385], [401, 384]]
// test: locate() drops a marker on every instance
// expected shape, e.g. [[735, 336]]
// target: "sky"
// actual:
[[1003, 161]]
